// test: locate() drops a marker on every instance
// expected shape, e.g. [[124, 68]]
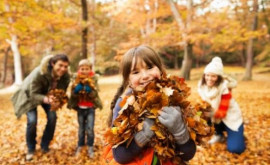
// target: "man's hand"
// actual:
[[48, 99]]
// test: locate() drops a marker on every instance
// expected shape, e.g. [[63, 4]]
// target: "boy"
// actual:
[[84, 99]]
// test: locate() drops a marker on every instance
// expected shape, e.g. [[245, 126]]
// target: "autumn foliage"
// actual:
[[84, 80], [146, 103], [60, 98]]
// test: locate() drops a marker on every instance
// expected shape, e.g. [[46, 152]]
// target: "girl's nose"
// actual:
[[144, 74]]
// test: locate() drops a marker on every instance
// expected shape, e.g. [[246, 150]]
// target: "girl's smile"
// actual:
[[142, 74]]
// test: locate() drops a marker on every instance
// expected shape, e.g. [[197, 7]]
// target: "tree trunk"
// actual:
[[249, 63], [250, 51], [17, 60], [93, 31], [148, 29], [243, 55], [151, 22], [176, 15], [176, 61], [187, 62], [85, 28], [155, 18], [4, 73], [16, 53], [266, 16]]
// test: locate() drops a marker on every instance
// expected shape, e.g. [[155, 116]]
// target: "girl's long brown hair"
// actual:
[[148, 55]]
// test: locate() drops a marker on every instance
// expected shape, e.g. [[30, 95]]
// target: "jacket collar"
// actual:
[[44, 65]]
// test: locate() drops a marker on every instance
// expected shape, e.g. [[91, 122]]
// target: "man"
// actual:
[[52, 73]]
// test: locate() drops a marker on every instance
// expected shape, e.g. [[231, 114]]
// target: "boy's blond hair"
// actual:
[[85, 62]]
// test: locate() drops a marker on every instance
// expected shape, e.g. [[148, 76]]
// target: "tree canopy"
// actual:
[[46, 27]]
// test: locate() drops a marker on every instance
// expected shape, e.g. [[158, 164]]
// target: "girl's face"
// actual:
[[141, 74], [210, 79], [85, 69]]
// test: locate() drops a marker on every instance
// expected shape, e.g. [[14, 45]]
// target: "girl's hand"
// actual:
[[144, 136], [171, 117]]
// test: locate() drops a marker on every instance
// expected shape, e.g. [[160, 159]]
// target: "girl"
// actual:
[[141, 65], [215, 88]]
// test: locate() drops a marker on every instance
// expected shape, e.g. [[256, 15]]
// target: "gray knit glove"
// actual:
[[143, 137], [171, 117]]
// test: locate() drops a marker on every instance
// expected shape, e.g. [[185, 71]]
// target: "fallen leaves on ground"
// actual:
[[253, 98]]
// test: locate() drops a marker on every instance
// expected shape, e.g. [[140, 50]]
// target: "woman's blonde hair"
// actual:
[[146, 54]]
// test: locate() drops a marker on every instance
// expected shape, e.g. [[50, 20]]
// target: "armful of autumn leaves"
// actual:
[[60, 98], [167, 91], [85, 80]]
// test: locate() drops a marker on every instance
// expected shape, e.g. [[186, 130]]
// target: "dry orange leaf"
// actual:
[[60, 98]]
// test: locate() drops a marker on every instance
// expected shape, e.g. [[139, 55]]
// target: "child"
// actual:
[[140, 66], [215, 88], [84, 98]]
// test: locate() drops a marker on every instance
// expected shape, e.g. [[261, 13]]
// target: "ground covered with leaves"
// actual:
[[253, 98]]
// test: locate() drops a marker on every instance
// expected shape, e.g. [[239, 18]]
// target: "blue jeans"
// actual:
[[31, 129], [235, 139], [86, 120]]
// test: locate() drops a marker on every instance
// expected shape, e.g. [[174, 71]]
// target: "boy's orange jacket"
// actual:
[[144, 158]]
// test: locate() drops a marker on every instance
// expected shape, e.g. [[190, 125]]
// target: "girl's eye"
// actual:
[[135, 72], [150, 67]]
